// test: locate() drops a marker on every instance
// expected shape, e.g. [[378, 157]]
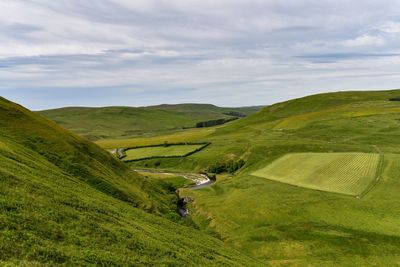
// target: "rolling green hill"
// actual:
[[117, 122], [65, 201], [285, 221], [319, 187]]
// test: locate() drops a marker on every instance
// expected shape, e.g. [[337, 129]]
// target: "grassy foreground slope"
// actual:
[[64, 201], [286, 225], [116, 122]]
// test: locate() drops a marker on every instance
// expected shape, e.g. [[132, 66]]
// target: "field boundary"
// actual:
[[378, 174], [204, 145]]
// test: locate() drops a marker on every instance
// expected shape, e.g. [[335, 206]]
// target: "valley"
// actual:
[[65, 201], [317, 186], [277, 222]]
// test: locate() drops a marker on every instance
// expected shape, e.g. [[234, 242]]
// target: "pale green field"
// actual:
[[168, 151], [345, 173], [182, 136]]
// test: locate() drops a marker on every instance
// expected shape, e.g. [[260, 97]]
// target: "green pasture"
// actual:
[[160, 151], [345, 173], [187, 135]]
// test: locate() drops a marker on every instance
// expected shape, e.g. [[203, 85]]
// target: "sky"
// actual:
[[224, 52]]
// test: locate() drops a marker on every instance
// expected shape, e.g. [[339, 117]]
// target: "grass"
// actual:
[[345, 173], [277, 223], [173, 180], [284, 225], [177, 137], [66, 202], [117, 122], [160, 151]]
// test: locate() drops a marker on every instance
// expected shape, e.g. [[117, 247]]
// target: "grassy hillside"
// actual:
[[65, 201], [117, 122], [287, 225]]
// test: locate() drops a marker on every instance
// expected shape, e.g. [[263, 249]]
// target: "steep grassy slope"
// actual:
[[293, 226], [70, 154], [112, 122], [64, 201]]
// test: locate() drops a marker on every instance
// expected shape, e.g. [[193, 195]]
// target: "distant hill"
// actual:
[[117, 122], [65, 201]]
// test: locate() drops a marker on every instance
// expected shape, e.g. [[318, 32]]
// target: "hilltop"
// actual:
[[117, 122], [65, 201]]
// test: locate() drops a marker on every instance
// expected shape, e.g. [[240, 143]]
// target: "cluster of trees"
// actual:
[[230, 166], [394, 99], [211, 123], [235, 114]]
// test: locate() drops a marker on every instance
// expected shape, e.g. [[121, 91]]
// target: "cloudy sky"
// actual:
[[225, 52]]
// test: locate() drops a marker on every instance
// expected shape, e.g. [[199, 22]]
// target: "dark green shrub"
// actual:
[[230, 166], [211, 123]]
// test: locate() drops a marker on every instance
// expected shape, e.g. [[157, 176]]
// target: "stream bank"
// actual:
[[201, 180]]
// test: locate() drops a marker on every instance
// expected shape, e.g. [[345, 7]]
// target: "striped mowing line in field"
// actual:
[[346, 173]]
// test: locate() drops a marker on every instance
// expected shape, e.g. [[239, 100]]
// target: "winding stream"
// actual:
[[201, 181]]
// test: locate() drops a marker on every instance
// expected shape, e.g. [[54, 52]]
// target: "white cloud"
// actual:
[[390, 27], [365, 40], [227, 52]]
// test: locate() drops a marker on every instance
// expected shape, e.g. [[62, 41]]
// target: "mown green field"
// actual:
[[177, 137], [160, 151], [345, 173]]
